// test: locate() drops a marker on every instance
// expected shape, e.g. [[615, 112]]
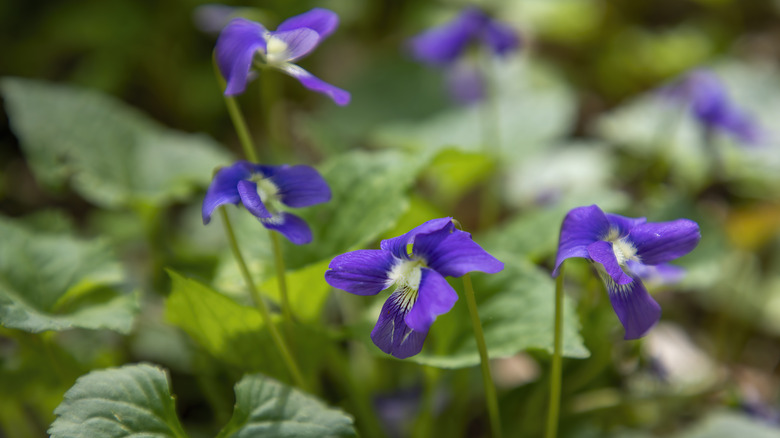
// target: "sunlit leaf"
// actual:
[[267, 408], [134, 400]]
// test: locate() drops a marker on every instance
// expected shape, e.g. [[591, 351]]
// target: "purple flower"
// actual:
[[421, 293], [242, 42], [262, 188], [620, 248], [446, 44], [707, 99]]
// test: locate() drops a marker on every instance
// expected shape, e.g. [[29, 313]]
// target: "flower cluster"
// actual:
[[262, 188], [709, 103], [421, 293], [446, 44], [621, 248], [243, 42]]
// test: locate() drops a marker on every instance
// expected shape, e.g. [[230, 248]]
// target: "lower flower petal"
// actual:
[[362, 272], [290, 226], [224, 188], [314, 83], [658, 274], [391, 334], [601, 252], [435, 297], [453, 253], [581, 227], [635, 308], [251, 199]]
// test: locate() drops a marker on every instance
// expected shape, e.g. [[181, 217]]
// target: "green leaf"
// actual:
[[112, 154], [54, 281], [728, 425], [133, 400], [306, 290], [369, 195], [267, 408]]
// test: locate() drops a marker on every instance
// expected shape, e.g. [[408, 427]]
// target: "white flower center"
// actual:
[[406, 276], [623, 248], [275, 51]]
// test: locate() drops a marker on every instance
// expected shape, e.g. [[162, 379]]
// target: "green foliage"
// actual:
[[112, 154], [55, 281], [270, 409], [134, 400]]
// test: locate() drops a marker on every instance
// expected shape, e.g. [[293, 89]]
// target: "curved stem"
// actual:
[[281, 276], [557, 359], [238, 119], [292, 367], [490, 389]]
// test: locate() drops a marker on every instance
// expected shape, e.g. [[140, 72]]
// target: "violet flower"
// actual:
[[705, 95], [444, 46], [244, 43], [620, 247], [262, 188], [421, 293]]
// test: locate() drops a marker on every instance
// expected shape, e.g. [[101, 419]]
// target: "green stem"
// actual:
[[292, 367], [557, 359], [490, 389], [281, 276], [238, 119], [491, 143]]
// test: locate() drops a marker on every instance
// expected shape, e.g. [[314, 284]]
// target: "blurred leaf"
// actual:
[[729, 425], [112, 154], [453, 172], [265, 407], [306, 290], [133, 400], [54, 281], [369, 195]]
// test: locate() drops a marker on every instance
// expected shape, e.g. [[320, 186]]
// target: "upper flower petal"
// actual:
[[661, 242], [624, 224], [290, 226], [362, 272], [322, 21], [247, 190], [236, 47], [443, 44], [298, 186], [314, 83], [602, 252], [501, 38], [397, 245], [297, 43], [224, 188], [453, 253], [391, 334], [581, 227], [635, 308], [435, 297]]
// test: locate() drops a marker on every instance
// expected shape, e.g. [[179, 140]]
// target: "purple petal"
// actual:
[[397, 245], [635, 308], [362, 272], [435, 297], [466, 84], [444, 44], [659, 274], [602, 252], [624, 224], [502, 39], [298, 186], [322, 21], [313, 83], [236, 46], [661, 242], [581, 227], [299, 42], [290, 226], [452, 253], [224, 188], [391, 334], [251, 199]]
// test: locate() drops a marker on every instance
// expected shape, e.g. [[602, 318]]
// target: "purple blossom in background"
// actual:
[[705, 95], [621, 248], [212, 18], [242, 41], [445, 45], [421, 293], [261, 188]]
